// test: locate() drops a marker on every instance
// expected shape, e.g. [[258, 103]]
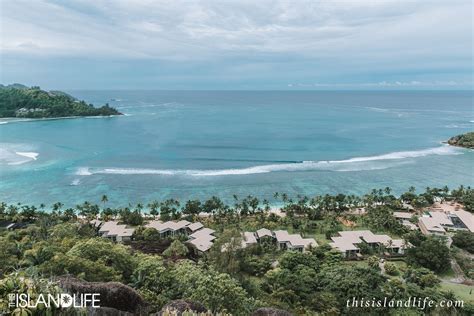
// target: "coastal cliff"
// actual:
[[464, 140], [17, 100]]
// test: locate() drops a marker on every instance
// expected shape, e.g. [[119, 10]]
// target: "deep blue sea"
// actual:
[[196, 144]]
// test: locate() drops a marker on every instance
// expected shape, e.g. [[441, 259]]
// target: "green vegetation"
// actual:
[[464, 292], [20, 101], [229, 278], [464, 240], [465, 140], [431, 253]]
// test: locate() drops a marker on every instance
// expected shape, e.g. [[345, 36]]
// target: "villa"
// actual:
[[172, 228], [199, 236], [404, 219], [348, 243], [114, 231], [439, 222], [293, 241], [282, 238], [202, 239]]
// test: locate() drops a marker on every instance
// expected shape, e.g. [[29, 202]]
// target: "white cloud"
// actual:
[[193, 30], [416, 43]]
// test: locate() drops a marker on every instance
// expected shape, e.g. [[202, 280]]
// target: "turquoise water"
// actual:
[[198, 144]]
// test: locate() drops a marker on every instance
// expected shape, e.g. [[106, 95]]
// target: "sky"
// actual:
[[275, 45]]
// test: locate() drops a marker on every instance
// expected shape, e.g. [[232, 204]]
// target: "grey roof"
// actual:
[[262, 232], [195, 226], [112, 228], [348, 240], [248, 238], [201, 244], [295, 240]]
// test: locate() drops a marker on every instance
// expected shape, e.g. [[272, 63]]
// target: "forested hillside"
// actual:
[[20, 101]]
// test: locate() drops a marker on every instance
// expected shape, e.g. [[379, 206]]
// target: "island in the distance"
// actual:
[[464, 140], [20, 101]]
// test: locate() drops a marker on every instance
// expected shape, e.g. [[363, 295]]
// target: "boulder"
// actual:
[[114, 295]]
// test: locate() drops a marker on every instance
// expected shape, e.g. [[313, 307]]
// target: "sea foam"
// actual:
[[83, 171], [31, 155], [353, 164], [14, 154]]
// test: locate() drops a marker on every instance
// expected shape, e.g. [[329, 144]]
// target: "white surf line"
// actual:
[[336, 165], [31, 155]]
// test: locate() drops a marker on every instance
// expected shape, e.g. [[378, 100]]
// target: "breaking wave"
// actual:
[[15, 154], [353, 164]]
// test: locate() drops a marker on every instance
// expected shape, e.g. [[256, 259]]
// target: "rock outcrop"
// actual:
[[113, 295], [464, 140]]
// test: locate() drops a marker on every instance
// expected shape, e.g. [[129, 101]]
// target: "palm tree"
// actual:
[[154, 206], [57, 206], [104, 199]]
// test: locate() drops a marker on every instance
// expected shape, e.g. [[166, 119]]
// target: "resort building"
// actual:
[[404, 218], [202, 239], [172, 228], [199, 236], [293, 241], [281, 238], [438, 222], [348, 243], [263, 232], [114, 231]]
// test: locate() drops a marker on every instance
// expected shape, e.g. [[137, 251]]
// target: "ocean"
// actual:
[[198, 144]]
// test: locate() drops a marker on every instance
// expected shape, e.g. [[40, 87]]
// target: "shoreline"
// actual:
[[7, 120]]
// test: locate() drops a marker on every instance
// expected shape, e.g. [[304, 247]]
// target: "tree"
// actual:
[[104, 199], [192, 207], [432, 254], [292, 259], [464, 240], [99, 250], [176, 250], [390, 268], [84, 268], [88, 210], [8, 256], [153, 280], [351, 281], [225, 253], [154, 206], [57, 206], [381, 218], [129, 217], [217, 291], [169, 209], [373, 262], [422, 277]]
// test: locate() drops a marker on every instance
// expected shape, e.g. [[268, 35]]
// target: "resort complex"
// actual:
[[191, 253]]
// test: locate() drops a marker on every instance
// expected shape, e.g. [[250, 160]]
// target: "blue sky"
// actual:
[[145, 44]]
